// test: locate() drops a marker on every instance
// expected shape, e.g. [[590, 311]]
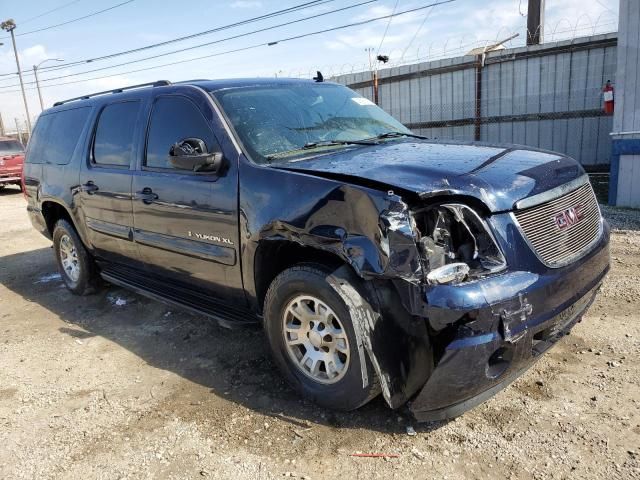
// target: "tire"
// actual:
[[81, 280], [345, 379]]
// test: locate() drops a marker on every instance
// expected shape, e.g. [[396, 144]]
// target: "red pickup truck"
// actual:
[[11, 160]]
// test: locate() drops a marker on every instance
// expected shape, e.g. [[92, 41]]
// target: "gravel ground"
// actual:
[[115, 386]]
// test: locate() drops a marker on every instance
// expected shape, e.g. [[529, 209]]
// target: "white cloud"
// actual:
[[246, 4], [384, 10], [371, 37], [109, 83], [449, 30], [11, 103]]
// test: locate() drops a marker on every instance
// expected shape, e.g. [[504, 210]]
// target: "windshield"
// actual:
[[11, 146], [287, 120]]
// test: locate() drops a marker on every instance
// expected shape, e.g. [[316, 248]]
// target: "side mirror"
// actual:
[[191, 154]]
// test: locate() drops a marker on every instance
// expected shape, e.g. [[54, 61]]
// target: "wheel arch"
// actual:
[[53, 210], [272, 257]]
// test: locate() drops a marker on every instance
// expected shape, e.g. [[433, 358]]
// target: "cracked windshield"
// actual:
[[283, 122]]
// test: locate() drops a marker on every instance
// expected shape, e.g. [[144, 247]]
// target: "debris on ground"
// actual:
[[375, 455], [51, 277], [136, 401]]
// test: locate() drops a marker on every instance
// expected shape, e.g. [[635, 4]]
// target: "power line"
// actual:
[[233, 37], [250, 47], [22, 22], [302, 6], [73, 20], [384, 35], [276, 13], [415, 35]]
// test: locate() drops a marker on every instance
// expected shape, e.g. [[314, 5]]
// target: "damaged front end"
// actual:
[[459, 303], [488, 307]]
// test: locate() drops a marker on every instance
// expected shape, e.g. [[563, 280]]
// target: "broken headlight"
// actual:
[[456, 244]]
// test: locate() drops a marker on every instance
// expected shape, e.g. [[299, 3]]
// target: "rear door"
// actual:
[[105, 180], [186, 223]]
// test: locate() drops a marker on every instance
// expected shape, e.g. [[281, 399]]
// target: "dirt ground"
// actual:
[[117, 386]]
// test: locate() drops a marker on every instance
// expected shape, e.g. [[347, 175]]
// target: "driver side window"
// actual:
[[173, 119]]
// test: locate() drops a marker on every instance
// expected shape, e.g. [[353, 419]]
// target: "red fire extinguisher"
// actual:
[[608, 97]]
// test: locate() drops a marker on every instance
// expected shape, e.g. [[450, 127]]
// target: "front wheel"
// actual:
[[74, 262], [313, 339]]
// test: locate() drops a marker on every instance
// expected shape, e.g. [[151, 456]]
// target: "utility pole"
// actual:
[[10, 26], [374, 76], [373, 67], [2, 132], [35, 74], [535, 22]]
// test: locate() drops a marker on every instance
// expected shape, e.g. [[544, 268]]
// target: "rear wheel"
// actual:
[[74, 262], [313, 339]]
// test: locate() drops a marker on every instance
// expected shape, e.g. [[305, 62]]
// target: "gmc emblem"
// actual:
[[569, 217]]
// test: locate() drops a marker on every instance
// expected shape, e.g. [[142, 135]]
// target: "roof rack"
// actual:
[[159, 83]]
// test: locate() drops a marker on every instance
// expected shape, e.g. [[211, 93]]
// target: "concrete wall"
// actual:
[[624, 188], [546, 96]]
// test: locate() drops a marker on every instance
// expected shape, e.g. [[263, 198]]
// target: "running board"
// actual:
[[192, 301]]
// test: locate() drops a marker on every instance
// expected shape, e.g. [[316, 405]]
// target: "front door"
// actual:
[[105, 182], [186, 222]]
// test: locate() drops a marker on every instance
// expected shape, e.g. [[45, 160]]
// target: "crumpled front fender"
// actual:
[[368, 229]]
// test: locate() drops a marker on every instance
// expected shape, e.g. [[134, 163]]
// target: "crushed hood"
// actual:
[[499, 176]]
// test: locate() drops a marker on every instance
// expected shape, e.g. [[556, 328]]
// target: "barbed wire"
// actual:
[[561, 30]]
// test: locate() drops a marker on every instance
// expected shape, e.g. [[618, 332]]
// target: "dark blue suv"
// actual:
[[377, 260]]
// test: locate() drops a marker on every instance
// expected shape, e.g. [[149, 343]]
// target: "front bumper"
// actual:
[[490, 331]]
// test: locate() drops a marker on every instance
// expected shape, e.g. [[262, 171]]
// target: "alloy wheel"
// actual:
[[69, 258], [315, 339]]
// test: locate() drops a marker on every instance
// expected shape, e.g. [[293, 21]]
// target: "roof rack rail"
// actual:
[[159, 83]]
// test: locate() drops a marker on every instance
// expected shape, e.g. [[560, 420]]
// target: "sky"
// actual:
[[438, 32]]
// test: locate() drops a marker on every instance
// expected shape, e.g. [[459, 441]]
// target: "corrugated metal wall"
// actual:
[[546, 96], [625, 165], [627, 116]]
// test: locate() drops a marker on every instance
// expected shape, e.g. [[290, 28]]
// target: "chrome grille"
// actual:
[[555, 245]]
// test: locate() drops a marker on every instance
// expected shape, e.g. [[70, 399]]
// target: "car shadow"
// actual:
[[10, 190], [232, 363]]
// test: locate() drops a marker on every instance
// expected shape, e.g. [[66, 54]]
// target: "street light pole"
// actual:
[[10, 26], [35, 74]]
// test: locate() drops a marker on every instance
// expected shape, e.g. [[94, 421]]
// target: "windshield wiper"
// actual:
[[329, 143], [314, 145], [399, 134]]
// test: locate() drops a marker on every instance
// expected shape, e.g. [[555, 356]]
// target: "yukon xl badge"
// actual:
[[568, 217], [211, 238]]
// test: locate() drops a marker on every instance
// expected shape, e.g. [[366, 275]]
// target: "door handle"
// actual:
[[89, 187], [146, 195]]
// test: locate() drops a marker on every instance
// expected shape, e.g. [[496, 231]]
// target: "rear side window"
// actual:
[[56, 135], [175, 118], [113, 144]]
